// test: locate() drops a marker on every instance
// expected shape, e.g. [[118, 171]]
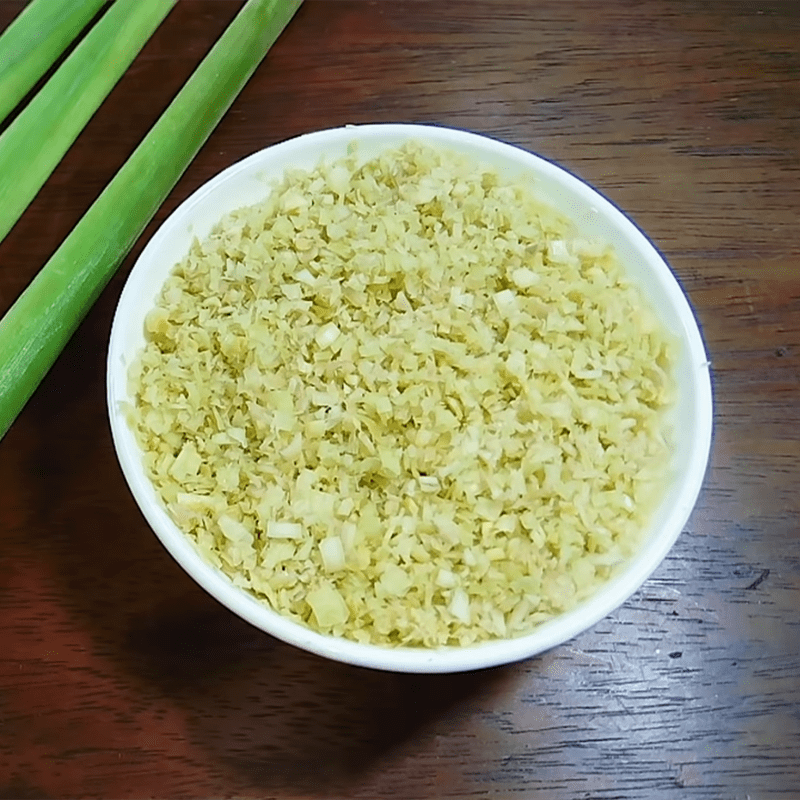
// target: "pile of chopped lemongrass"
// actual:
[[405, 403]]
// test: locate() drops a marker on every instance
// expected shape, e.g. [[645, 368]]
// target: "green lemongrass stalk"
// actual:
[[37, 327], [30, 45], [34, 143]]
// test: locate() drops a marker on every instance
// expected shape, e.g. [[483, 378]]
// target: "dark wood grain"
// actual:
[[120, 678]]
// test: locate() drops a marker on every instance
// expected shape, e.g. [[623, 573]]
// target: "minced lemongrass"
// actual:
[[284, 530], [332, 552], [436, 410]]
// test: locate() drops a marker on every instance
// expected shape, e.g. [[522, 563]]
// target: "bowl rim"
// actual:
[[402, 659]]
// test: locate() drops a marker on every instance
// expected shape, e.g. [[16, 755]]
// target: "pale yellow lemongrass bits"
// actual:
[[404, 402]]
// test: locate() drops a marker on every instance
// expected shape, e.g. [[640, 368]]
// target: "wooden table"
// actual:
[[120, 678]]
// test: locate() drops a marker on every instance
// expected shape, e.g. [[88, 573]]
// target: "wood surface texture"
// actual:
[[120, 678]]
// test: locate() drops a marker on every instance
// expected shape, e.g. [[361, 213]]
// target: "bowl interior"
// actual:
[[248, 182]]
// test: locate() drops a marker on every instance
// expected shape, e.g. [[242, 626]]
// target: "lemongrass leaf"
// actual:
[[34, 143], [33, 42], [40, 323]]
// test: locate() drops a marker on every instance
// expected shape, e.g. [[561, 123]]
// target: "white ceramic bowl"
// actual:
[[247, 182]]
